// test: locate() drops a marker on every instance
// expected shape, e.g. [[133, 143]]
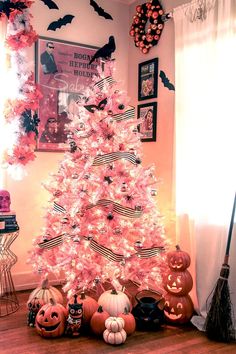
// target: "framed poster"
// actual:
[[147, 113], [62, 72], [147, 79]]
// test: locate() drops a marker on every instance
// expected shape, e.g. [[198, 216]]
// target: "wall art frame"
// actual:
[[148, 79], [62, 71]]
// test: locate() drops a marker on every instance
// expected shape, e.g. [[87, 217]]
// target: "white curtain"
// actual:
[[205, 87]]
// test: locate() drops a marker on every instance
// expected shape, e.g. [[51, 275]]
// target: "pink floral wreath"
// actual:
[[150, 11]]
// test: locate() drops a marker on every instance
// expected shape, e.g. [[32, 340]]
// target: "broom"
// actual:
[[219, 323]]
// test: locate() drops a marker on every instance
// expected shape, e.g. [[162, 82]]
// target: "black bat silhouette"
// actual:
[[50, 4], [92, 107], [166, 81], [100, 10], [62, 21]]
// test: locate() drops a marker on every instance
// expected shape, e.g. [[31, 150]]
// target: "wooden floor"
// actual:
[[17, 337]]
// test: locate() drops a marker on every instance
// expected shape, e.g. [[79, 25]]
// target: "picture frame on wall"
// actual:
[[148, 79], [147, 114], [62, 73]]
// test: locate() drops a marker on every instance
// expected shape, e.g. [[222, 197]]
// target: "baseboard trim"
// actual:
[[28, 280]]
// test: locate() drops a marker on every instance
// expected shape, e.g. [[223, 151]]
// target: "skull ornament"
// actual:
[[5, 201]]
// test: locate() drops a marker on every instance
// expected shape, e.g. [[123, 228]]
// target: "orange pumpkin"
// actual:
[[51, 320], [178, 309], [89, 306], [178, 260], [97, 322], [129, 319], [178, 282]]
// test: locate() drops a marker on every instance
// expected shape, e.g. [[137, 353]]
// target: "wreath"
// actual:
[[151, 12]]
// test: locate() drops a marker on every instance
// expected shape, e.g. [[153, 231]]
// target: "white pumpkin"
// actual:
[[114, 302], [114, 337], [114, 324], [46, 292]]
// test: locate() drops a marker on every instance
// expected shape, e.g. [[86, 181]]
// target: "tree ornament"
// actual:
[[130, 323], [138, 245], [114, 302], [152, 13], [110, 216], [97, 322], [46, 292], [51, 319]]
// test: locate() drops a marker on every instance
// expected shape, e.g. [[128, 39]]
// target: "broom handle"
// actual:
[[230, 232]]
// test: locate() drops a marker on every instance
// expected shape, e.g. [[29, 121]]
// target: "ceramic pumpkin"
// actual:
[[51, 319], [114, 302], [178, 259], [178, 309], [178, 282], [97, 322], [114, 337], [130, 323], [114, 324], [46, 292], [89, 306]]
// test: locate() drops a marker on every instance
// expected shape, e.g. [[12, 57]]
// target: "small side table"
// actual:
[[8, 299]]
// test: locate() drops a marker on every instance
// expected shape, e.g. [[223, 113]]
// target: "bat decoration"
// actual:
[[7, 6], [166, 81], [100, 10], [92, 107], [50, 4], [62, 21], [30, 123]]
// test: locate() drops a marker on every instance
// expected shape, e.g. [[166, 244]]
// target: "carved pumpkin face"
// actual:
[[178, 309], [178, 283], [50, 320], [178, 260]]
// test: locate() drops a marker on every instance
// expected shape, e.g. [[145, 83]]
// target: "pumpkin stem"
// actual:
[[82, 296], [114, 292], [45, 284], [177, 248], [100, 309], [75, 299], [52, 301]]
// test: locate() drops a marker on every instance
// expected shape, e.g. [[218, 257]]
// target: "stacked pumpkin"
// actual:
[[178, 282]]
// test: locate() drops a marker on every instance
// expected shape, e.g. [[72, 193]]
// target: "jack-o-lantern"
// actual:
[[178, 309], [178, 283], [178, 259], [51, 319]]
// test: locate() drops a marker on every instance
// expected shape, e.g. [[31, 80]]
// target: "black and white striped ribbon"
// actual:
[[106, 252], [149, 252], [103, 82], [59, 208], [114, 156], [128, 114], [118, 208], [144, 253]]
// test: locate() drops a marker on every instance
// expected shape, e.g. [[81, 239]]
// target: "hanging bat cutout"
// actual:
[[62, 21], [92, 107], [50, 4], [166, 81], [100, 10]]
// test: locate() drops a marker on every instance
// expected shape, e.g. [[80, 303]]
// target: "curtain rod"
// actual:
[[167, 16]]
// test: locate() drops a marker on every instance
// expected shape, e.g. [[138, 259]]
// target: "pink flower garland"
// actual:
[[20, 35]]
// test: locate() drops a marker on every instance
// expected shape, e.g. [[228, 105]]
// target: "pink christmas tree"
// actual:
[[103, 223]]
